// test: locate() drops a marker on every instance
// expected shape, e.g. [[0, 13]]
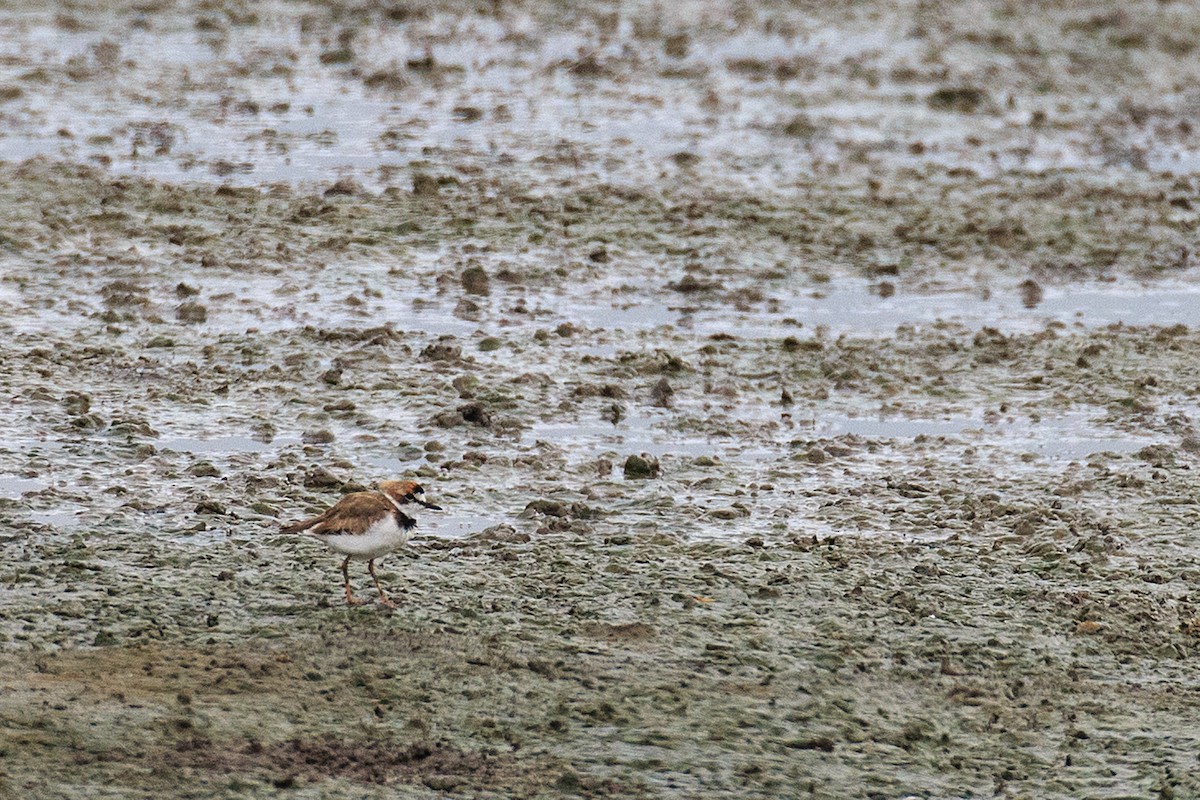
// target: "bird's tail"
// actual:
[[303, 525]]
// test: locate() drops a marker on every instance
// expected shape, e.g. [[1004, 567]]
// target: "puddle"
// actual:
[[453, 526], [1069, 436], [226, 444], [256, 103], [638, 434], [396, 464], [850, 307], [847, 306], [1064, 437], [58, 518], [12, 487]]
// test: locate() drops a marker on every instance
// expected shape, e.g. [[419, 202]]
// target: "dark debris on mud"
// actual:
[[381, 762]]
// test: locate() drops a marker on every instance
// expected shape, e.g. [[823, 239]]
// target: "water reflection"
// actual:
[[13, 487], [1068, 436]]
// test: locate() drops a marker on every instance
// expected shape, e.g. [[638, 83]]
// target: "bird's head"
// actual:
[[401, 492]]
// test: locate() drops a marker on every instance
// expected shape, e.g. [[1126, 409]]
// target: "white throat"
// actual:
[[392, 500]]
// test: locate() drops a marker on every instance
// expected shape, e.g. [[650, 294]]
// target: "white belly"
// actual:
[[381, 538]]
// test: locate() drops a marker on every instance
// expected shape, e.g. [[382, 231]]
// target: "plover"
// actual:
[[366, 526]]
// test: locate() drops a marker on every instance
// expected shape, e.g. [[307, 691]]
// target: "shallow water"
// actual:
[[849, 307], [61, 518], [253, 104], [858, 310], [226, 444], [13, 487], [451, 525], [1069, 436]]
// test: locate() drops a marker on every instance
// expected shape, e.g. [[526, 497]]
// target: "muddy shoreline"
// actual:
[[572, 664], [903, 609], [847, 452]]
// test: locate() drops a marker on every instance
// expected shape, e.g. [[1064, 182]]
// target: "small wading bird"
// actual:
[[366, 526]]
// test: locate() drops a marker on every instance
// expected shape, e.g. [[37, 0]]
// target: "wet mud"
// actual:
[[822, 424]]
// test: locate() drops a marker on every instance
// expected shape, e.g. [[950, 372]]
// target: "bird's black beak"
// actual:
[[421, 502]]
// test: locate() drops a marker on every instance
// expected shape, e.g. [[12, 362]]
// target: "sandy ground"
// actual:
[[788, 440]]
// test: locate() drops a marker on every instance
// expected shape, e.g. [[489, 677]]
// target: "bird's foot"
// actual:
[[355, 601], [387, 602]]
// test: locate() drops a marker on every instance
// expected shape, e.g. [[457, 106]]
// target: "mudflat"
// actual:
[[811, 396]]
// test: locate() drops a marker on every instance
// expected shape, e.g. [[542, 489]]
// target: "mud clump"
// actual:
[[204, 469], [344, 187], [425, 186], [641, 467], [131, 427], [556, 508], [441, 351], [320, 478], [465, 385], [76, 403], [960, 99], [690, 284], [390, 80], [475, 281], [662, 392], [800, 127], [88, 422], [124, 294], [611, 391], [193, 313], [467, 414], [677, 45], [368, 762], [686, 160], [1031, 293], [550, 508]]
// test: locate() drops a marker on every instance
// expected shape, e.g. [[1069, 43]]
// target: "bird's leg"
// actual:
[[350, 598], [384, 600]]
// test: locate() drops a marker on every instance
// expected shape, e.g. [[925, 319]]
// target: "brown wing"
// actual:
[[353, 514]]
